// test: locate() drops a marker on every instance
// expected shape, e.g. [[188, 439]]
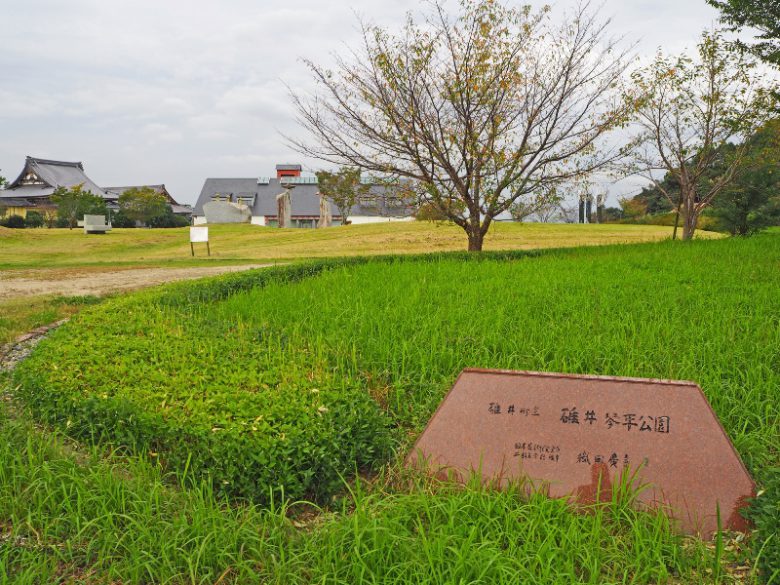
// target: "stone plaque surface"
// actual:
[[577, 436]]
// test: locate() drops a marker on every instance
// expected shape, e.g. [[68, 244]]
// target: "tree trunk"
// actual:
[[582, 211], [589, 210], [600, 214], [690, 219], [475, 239], [677, 215]]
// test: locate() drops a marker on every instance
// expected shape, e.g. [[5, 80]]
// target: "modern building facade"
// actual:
[[254, 200]]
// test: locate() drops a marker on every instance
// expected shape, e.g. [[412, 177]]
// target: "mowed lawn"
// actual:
[[233, 244], [61, 254]]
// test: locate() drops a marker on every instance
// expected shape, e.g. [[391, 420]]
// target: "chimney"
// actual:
[[288, 171]]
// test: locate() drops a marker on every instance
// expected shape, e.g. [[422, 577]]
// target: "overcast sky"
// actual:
[[174, 91]]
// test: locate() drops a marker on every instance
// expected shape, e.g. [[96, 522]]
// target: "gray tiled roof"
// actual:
[[54, 174], [181, 209], [115, 192], [31, 191], [14, 201], [305, 198]]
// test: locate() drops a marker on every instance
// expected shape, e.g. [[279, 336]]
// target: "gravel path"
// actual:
[[99, 283], [14, 352]]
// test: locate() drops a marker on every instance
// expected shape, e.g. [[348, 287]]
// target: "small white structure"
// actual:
[[199, 235], [96, 224]]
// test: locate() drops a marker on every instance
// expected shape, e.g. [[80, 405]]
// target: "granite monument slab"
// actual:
[[578, 436]]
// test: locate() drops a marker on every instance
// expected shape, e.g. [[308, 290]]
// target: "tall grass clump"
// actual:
[[69, 515]]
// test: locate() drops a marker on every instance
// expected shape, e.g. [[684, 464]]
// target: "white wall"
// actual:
[[355, 219], [359, 219]]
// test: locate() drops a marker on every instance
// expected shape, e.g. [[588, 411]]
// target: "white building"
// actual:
[[254, 201]]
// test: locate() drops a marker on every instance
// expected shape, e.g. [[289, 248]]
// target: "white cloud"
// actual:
[[176, 91]]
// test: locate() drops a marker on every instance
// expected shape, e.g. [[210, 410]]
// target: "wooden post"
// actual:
[[192, 248]]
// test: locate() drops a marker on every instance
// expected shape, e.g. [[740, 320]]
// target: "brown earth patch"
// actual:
[[77, 283]]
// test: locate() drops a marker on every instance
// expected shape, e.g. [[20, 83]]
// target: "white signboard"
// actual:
[[199, 234]]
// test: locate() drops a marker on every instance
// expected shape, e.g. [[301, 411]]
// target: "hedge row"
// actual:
[[172, 391]]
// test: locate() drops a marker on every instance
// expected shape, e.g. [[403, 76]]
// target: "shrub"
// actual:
[[120, 220], [74, 203], [706, 221], [13, 221], [34, 220], [169, 220], [142, 204]]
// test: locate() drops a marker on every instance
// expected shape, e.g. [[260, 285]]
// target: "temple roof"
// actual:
[[40, 177], [115, 192]]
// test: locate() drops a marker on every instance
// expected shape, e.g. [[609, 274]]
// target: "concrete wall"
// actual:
[[355, 219], [360, 219]]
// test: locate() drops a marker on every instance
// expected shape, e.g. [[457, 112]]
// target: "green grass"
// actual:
[[24, 314], [182, 374], [70, 516], [253, 431], [57, 252], [61, 254]]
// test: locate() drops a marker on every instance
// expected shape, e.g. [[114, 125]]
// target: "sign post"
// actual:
[[199, 235], [578, 436]]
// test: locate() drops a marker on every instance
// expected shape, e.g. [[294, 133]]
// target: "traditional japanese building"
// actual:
[[254, 200], [33, 188], [113, 193]]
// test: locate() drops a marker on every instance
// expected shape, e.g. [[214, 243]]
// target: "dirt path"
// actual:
[[105, 282]]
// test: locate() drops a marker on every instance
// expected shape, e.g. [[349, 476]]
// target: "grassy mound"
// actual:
[[147, 375], [283, 380], [82, 517]]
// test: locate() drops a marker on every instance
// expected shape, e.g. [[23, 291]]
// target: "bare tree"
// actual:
[[688, 111], [567, 213], [483, 108], [344, 188], [523, 208], [549, 212]]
